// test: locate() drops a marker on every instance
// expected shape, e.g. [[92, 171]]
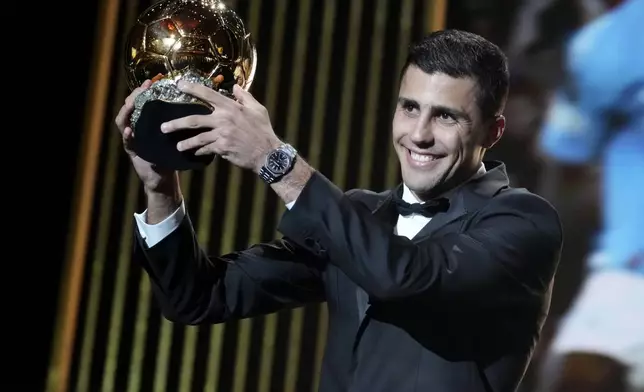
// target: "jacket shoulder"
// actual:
[[523, 199], [530, 206]]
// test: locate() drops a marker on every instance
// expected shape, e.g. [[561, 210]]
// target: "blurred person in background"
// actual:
[[595, 129], [532, 33], [536, 47]]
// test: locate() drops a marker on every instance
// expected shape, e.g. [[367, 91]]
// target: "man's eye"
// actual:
[[446, 117], [409, 107]]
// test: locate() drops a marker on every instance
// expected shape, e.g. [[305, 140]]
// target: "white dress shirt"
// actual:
[[406, 226], [410, 225]]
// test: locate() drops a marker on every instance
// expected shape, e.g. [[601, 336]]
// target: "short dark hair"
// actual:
[[461, 54]]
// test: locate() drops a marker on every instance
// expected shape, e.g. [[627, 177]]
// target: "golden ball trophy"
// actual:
[[199, 41]]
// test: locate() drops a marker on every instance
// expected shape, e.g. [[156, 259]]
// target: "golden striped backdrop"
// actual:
[[327, 72]]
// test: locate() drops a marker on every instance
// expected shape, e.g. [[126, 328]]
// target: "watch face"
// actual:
[[278, 162]]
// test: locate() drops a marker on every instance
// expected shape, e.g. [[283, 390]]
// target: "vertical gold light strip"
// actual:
[[317, 127], [166, 327], [259, 199], [114, 154], [436, 14], [72, 279], [404, 39], [120, 285], [348, 95], [203, 236], [373, 94], [135, 372], [162, 361], [322, 81], [115, 149], [291, 135], [227, 244]]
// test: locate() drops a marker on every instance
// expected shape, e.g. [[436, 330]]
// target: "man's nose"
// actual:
[[422, 134]]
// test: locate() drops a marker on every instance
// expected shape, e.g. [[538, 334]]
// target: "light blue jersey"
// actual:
[[599, 117]]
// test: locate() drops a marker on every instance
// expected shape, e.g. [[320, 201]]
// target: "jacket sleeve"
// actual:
[[508, 253], [193, 288]]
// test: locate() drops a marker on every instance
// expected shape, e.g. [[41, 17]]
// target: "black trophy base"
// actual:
[[160, 148]]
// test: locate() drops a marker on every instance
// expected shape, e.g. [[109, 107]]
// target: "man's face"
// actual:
[[438, 132]]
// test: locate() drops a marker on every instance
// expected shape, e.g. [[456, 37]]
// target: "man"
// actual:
[[598, 117], [453, 302]]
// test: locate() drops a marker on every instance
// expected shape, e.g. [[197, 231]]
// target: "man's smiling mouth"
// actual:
[[421, 159]]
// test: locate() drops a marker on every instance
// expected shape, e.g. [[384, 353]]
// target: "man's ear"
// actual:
[[497, 127]]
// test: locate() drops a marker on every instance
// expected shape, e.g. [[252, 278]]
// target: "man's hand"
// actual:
[[240, 131], [152, 177], [161, 186]]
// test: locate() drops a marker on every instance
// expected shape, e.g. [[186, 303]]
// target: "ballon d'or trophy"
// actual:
[[199, 41]]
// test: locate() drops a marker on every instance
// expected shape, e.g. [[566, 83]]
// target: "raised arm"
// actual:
[[507, 255], [193, 288]]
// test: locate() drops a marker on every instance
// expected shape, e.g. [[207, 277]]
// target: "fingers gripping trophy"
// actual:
[[199, 41]]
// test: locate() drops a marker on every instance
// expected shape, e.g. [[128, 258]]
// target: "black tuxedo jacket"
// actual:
[[458, 308]]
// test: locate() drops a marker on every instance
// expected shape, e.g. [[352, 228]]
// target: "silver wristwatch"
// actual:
[[278, 163]]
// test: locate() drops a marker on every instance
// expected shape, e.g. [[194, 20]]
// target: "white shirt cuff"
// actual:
[[153, 234]]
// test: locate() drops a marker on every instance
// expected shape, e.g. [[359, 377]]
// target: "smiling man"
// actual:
[[440, 133], [442, 283]]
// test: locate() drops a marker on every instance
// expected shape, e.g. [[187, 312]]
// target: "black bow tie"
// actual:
[[428, 208]]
